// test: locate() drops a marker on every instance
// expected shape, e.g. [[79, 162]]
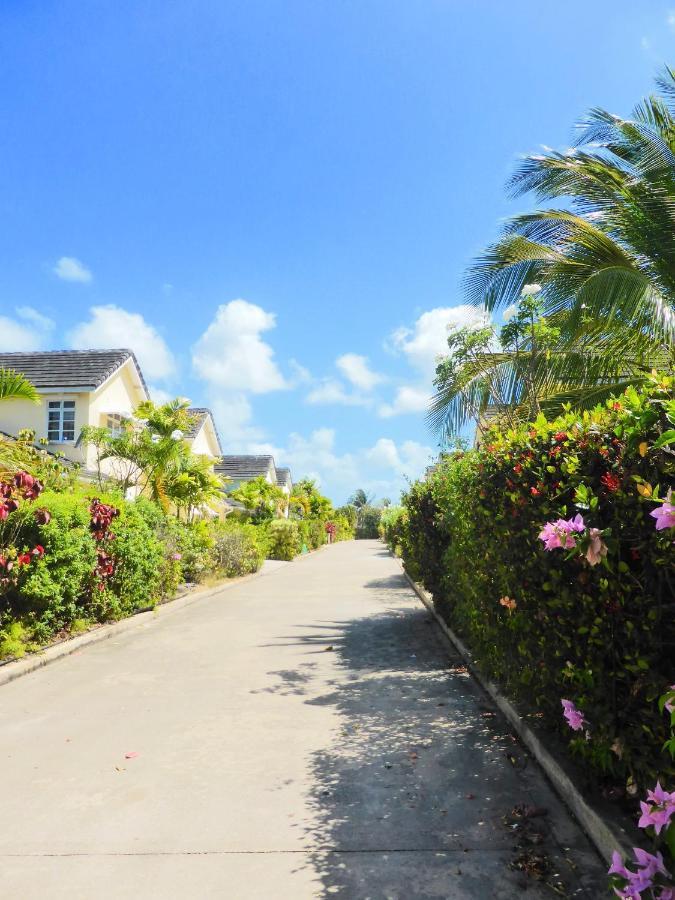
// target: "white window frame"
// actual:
[[59, 406], [114, 424]]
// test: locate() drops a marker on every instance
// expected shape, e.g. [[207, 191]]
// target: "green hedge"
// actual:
[[549, 625]]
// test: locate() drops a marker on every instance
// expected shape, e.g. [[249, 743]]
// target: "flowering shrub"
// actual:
[[571, 522]]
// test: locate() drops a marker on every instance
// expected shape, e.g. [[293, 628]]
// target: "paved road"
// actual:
[[306, 734]]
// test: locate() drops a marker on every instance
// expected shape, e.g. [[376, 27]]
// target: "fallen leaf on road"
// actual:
[[330, 647], [132, 754]]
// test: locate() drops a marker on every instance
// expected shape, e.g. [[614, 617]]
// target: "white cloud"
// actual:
[[18, 337], [408, 399], [428, 337], [231, 354], [331, 391], [27, 335], [40, 321], [68, 268], [380, 469], [670, 19], [355, 368], [159, 396], [113, 327]]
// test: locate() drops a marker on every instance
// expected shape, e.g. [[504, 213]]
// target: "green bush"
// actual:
[[283, 539], [57, 587], [238, 549], [392, 527], [139, 559], [565, 624]]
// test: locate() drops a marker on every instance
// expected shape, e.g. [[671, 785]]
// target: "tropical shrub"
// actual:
[[392, 527], [238, 549], [550, 551], [283, 539]]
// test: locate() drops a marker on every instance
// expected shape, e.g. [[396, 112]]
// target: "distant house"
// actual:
[[203, 435], [240, 469], [245, 468], [77, 388]]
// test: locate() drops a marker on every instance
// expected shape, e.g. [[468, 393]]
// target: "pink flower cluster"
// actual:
[[642, 880], [560, 534], [658, 809], [665, 514], [575, 718], [563, 534]]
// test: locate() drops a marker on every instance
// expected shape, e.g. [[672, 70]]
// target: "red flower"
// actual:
[[532, 434], [616, 406], [534, 492], [611, 482], [517, 468], [560, 436], [555, 451], [24, 559], [38, 550]]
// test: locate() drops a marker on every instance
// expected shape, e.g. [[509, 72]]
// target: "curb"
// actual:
[[18, 668], [604, 838]]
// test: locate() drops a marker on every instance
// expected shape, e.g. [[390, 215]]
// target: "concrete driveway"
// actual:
[[306, 734]]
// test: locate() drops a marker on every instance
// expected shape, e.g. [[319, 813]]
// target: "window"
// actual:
[[61, 420], [113, 422]]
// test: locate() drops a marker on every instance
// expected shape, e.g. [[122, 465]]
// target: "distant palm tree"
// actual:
[[605, 261], [360, 498]]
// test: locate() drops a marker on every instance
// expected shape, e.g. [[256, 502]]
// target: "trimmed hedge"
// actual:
[[551, 625]]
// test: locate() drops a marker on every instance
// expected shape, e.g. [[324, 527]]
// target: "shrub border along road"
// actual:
[[17, 668], [605, 838]]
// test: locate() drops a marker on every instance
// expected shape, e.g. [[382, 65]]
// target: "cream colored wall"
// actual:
[[118, 394], [15, 415], [205, 442]]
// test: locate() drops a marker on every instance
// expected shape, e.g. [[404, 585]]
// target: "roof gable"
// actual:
[[84, 369], [200, 415]]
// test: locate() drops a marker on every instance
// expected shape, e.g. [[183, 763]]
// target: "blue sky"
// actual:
[[273, 203]]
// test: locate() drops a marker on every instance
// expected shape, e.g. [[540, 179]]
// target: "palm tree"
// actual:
[[14, 386], [360, 498], [605, 261]]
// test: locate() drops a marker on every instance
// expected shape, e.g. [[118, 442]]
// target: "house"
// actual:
[[77, 388], [203, 436], [240, 469], [245, 468]]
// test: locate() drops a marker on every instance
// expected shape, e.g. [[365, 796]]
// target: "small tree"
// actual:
[[265, 501]]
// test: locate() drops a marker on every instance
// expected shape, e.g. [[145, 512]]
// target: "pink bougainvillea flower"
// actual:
[[670, 704], [176, 556], [597, 548], [665, 514], [575, 718], [561, 533], [658, 810], [508, 603]]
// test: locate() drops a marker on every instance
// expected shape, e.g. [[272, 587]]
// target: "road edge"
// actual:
[[604, 838]]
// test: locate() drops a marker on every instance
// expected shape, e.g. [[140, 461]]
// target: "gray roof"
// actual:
[[284, 476], [199, 415], [243, 468], [86, 369]]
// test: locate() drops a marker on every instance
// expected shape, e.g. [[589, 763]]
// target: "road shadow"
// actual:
[[414, 796]]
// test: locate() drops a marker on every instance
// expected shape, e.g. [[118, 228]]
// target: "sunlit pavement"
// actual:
[[305, 734]]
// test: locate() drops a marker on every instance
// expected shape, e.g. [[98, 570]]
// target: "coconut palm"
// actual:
[[360, 498], [605, 260], [14, 386]]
